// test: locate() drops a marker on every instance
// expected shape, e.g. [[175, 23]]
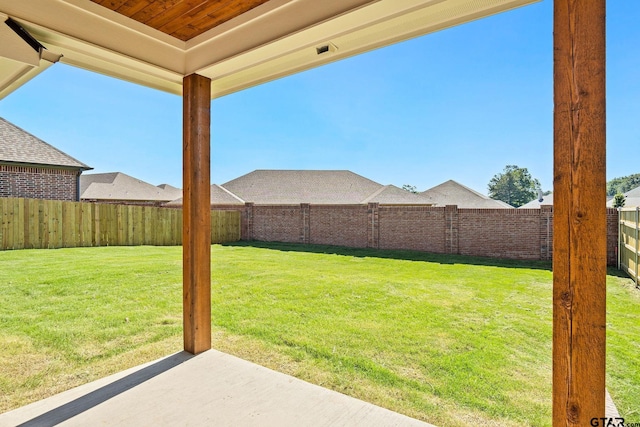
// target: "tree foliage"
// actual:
[[619, 200], [623, 184], [514, 186], [410, 188]]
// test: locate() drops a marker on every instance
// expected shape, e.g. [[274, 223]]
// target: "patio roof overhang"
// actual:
[[273, 39]]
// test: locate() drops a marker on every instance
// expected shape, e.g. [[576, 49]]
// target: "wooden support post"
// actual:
[[196, 219], [580, 227]]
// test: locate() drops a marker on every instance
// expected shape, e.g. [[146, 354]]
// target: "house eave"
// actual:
[[241, 53], [44, 165]]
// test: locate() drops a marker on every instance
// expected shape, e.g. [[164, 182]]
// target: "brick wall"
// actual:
[[525, 234], [341, 225], [420, 228], [276, 223], [38, 183], [500, 233]]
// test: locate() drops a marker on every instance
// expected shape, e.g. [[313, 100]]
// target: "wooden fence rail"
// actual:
[[40, 224], [629, 241]]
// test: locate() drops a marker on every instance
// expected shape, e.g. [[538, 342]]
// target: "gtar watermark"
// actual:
[[612, 422]]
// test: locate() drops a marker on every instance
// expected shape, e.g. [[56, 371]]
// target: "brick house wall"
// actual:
[[525, 234], [33, 182]]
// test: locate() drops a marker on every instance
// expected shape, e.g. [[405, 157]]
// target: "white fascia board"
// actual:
[[380, 24], [19, 62], [99, 28], [240, 36], [12, 46], [84, 55], [276, 39], [14, 74]]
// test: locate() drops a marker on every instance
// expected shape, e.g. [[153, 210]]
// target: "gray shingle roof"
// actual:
[[631, 200], [535, 203], [392, 195], [633, 193], [219, 196], [171, 191], [264, 187], [19, 146], [454, 193], [119, 186]]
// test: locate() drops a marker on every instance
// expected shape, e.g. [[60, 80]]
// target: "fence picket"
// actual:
[[629, 241], [38, 224]]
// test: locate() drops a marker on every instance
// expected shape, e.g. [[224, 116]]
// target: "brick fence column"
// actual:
[[546, 232], [451, 231], [305, 235], [247, 223], [373, 225]]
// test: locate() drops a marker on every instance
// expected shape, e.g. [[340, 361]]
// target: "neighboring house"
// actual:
[[392, 195], [219, 197], [536, 203], [318, 187], [31, 168], [171, 191], [454, 193], [117, 187], [631, 199]]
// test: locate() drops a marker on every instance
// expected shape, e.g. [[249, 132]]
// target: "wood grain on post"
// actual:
[[579, 241], [196, 225]]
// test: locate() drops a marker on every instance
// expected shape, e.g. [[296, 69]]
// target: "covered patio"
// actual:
[[211, 388], [207, 49]]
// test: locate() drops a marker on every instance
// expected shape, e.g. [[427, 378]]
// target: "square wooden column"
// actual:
[[579, 220], [196, 218]]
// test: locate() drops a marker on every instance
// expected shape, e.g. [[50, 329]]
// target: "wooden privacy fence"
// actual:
[[40, 224], [628, 241]]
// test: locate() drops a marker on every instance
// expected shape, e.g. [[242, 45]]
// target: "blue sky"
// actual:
[[458, 104]]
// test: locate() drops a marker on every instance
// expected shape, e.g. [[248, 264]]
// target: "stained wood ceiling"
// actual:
[[183, 19]]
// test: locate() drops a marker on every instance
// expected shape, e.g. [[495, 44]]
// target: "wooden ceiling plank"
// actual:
[[131, 7], [110, 4], [153, 10], [211, 15], [174, 13], [212, 20], [194, 14], [183, 19]]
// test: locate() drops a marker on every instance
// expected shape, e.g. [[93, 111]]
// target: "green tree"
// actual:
[[514, 186], [618, 200], [410, 188], [623, 184]]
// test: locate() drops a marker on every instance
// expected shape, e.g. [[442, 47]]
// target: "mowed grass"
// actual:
[[455, 341]]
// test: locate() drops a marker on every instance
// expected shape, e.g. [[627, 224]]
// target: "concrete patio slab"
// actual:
[[211, 389]]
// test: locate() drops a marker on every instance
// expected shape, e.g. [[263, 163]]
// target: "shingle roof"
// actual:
[[392, 195], [119, 186], [536, 203], [219, 196], [454, 193], [633, 193], [19, 146], [171, 191], [631, 200], [264, 187]]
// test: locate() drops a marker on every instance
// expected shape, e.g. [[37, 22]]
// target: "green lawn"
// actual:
[[454, 341]]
